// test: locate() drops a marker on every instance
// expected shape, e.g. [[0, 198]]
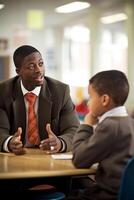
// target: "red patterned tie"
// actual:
[[32, 128]]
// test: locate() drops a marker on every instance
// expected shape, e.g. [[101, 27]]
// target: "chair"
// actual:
[[51, 196], [126, 191], [45, 192]]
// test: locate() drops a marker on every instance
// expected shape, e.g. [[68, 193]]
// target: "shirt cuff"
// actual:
[[5, 145], [63, 145]]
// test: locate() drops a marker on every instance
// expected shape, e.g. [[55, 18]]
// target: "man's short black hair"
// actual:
[[113, 83], [21, 52]]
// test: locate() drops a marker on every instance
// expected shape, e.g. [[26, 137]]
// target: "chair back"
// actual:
[[44, 192], [126, 191], [51, 196]]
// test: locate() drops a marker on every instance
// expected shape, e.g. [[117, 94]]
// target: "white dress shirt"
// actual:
[[119, 111], [36, 91]]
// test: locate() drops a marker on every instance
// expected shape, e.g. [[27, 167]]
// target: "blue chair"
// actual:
[[51, 196], [126, 191], [45, 192]]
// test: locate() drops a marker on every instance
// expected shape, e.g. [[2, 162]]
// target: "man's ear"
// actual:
[[18, 71], [105, 99]]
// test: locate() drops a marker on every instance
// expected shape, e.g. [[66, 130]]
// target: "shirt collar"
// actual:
[[115, 112], [36, 91]]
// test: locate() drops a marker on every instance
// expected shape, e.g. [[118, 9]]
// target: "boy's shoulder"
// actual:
[[115, 123]]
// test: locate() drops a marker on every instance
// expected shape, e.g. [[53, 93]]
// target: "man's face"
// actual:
[[31, 71]]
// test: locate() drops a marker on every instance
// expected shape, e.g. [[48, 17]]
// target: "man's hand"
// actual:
[[52, 144], [15, 145]]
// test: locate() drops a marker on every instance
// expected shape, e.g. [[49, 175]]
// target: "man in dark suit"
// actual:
[[55, 112]]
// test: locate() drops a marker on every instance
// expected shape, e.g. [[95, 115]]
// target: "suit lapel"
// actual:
[[44, 110], [19, 109]]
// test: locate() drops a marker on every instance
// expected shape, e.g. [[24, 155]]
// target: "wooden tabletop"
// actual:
[[35, 163]]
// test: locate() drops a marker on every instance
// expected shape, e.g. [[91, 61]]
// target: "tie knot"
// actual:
[[30, 97]]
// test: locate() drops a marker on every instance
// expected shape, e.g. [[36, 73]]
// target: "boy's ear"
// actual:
[[105, 99]]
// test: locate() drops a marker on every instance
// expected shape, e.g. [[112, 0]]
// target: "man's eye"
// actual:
[[31, 66], [41, 64]]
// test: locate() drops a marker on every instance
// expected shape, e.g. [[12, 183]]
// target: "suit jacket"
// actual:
[[55, 107], [111, 145]]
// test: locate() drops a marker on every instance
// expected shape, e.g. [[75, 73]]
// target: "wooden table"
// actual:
[[35, 164]]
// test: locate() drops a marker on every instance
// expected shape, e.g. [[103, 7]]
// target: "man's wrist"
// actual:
[[6, 144], [63, 145]]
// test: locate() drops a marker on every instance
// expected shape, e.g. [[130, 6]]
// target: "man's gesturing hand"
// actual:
[[52, 144]]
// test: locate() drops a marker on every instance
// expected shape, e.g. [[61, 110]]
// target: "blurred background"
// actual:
[[74, 44]]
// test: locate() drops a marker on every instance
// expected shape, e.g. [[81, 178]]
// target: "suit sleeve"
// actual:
[[4, 128], [90, 146], [69, 122]]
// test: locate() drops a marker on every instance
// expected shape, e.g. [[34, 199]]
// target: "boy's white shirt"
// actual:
[[115, 112]]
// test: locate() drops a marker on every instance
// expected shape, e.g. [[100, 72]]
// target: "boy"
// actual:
[[107, 135]]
